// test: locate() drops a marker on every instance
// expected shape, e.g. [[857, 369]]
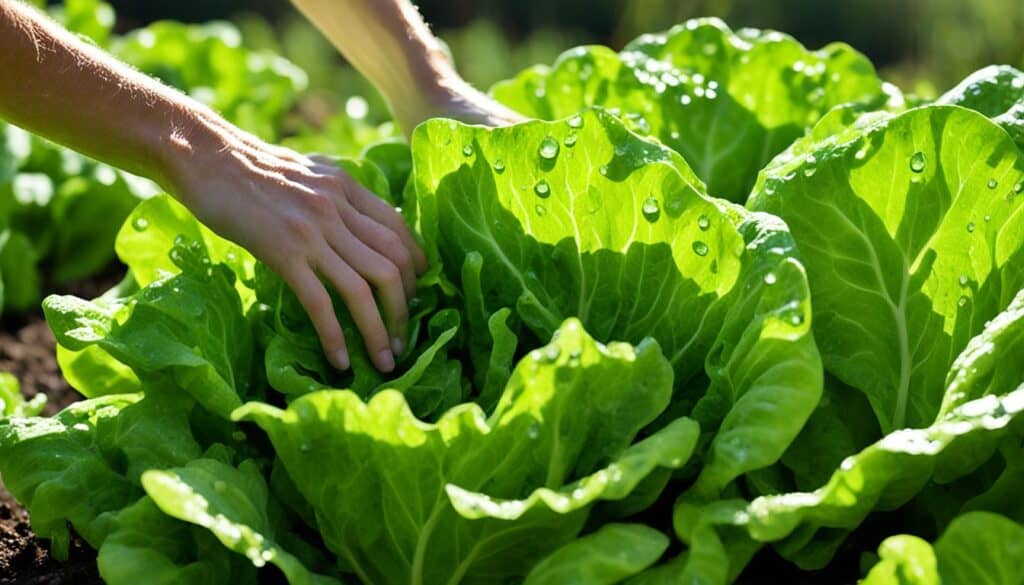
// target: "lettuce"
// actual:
[[613, 375]]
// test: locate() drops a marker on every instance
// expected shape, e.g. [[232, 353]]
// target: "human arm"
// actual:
[[306, 219], [388, 42]]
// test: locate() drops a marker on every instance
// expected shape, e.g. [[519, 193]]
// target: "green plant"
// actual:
[[614, 375]]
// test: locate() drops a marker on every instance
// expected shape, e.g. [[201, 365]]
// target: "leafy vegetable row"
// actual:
[[615, 375]]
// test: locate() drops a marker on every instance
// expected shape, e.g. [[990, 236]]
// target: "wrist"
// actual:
[[192, 143]]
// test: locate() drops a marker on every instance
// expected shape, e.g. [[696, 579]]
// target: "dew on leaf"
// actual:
[[603, 170], [467, 150], [917, 162], [570, 140], [576, 121], [797, 319], [700, 248], [651, 210], [962, 301], [140, 224], [703, 223], [1018, 188], [499, 166], [533, 431], [540, 210], [964, 279], [542, 189], [970, 227], [770, 278], [548, 148], [992, 183]]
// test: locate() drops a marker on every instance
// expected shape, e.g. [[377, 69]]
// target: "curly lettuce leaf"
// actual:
[[469, 497], [232, 503], [147, 546], [996, 91], [83, 465], [807, 527], [727, 101], [608, 556], [910, 229], [978, 548], [13, 404], [581, 218], [187, 329]]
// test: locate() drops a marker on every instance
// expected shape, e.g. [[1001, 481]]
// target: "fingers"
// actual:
[[385, 277], [378, 210], [317, 303], [360, 302], [384, 242]]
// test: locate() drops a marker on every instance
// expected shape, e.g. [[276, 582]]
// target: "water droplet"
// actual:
[[970, 227], [809, 171], [533, 431], [685, 99], [964, 279], [962, 301], [651, 209], [548, 148], [1018, 188], [770, 278], [140, 224], [467, 150], [988, 218], [499, 166], [551, 353], [576, 121], [700, 248], [992, 183], [179, 240], [917, 162], [703, 223], [603, 170], [540, 210], [797, 319], [542, 189], [570, 140]]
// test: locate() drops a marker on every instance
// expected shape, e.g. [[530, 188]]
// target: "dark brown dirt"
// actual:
[[27, 350]]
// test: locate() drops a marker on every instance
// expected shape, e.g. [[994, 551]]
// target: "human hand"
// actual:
[[305, 218]]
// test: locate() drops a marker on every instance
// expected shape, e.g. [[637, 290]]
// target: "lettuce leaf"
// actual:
[[727, 101], [468, 497], [909, 227]]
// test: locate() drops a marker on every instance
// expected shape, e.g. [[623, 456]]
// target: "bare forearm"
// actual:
[[57, 86], [388, 42]]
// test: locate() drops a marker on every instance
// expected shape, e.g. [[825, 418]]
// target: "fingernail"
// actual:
[[386, 360], [397, 346], [341, 359]]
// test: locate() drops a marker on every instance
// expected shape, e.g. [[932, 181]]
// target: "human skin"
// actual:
[[304, 217]]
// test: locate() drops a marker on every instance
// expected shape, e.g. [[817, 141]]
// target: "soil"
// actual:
[[27, 350]]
